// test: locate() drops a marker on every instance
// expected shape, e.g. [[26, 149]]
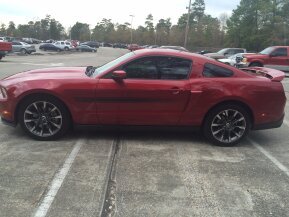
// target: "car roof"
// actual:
[[170, 52]]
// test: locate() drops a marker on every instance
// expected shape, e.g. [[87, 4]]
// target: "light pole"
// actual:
[[132, 16], [188, 25]]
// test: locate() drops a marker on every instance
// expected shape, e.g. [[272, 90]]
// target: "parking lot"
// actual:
[[129, 173]]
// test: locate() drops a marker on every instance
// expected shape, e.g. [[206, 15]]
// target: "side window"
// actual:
[[144, 68], [239, 51], [211, 70], [231, 52], [280, 52], [172, 68]]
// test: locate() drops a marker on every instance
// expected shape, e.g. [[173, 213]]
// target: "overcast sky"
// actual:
[[92, 12]]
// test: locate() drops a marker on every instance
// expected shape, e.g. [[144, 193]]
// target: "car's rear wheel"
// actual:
[[23, 51], [227, 125], [44, 118], [66, 49]]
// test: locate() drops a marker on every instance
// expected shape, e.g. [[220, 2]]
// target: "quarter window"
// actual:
[[211, 70]]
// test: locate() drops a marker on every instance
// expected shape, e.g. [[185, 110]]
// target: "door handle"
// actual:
[[176, 90]]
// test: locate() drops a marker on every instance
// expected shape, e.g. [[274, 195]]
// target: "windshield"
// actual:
[[111, 64], [267, 51]]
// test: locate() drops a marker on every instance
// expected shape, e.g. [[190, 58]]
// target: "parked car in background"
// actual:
[[235, 59], [276, 57], [22, 47], [94, 44], [133, 47], [154, 46], [83, 48], [119, 45], [106, 44], [2, 39], [149, 87], [64, 45], [5, 47], [50, 47], [50, 41], [226, 52], [202, 52], [174, 48]]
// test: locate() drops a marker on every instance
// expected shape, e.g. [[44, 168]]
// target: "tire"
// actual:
[[23, 51], [43, 117], [226, 125], [255, 64], [66, 49]]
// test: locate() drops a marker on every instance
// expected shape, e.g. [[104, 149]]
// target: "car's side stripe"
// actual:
[[120, 100]]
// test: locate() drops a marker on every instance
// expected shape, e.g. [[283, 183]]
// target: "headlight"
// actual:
[[244, 60], [3, 93]]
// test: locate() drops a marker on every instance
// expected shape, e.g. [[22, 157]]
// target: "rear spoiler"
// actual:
[[272, 74]]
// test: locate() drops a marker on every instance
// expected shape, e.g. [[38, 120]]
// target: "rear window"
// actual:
[[213, 71]]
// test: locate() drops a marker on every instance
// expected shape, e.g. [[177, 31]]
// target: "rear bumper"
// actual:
[[270, 125]]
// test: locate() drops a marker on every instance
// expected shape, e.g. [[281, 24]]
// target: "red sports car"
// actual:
[[154, 87]]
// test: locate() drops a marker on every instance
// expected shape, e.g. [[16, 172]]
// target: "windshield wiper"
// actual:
[[89, 70]]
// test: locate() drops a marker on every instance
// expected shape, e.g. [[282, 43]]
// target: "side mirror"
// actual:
[[118, 75]]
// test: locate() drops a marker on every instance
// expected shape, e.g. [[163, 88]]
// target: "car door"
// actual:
[[279, 59], [156, 91]]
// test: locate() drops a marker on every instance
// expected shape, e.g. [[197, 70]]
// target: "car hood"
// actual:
[[59, 73]]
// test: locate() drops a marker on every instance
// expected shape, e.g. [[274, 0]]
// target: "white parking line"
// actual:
[[57, 181], [281, 166]]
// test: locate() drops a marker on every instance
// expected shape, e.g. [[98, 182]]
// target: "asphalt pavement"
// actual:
[[108, 173]]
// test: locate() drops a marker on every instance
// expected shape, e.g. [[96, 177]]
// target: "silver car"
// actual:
[[22, 47]]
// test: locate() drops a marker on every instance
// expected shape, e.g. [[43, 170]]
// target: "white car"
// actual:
[[232, 60], [64, 45]]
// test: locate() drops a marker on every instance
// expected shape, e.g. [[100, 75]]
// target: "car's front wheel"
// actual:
[[44, 118], [227, 125]]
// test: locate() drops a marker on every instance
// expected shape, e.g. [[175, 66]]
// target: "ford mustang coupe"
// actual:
[[150, 87]]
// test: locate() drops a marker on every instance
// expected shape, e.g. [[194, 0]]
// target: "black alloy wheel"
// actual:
[[227, 125], [44, 118]]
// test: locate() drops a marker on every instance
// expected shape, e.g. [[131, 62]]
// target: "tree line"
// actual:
[[254, 24]]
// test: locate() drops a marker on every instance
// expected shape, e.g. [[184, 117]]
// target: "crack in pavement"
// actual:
[[109, 204]]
